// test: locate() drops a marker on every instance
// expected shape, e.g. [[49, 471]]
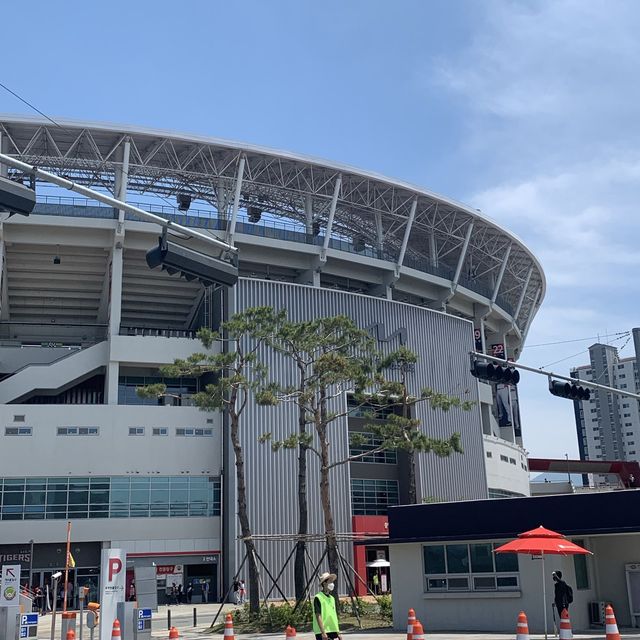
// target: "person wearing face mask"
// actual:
[[325, 616]]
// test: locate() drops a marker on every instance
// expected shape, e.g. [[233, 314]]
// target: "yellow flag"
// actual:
[[71, 562]]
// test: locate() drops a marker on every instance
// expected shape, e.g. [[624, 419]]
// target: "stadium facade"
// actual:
[[84, 321]]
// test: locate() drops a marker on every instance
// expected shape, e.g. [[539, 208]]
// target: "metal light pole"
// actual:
[[31, 565], [54, 585]]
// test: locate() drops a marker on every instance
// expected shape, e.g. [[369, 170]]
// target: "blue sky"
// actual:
[[525, 110]]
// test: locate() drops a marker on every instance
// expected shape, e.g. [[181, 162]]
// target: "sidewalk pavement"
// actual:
[[182, 619]]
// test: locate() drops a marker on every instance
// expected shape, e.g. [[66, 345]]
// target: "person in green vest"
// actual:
[[325, 616]]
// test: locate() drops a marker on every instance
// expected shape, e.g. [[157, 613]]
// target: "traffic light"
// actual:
[[15, 197], [191, 265], [568, 390], [494, 372]]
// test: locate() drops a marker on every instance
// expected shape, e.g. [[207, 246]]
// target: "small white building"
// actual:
[[455, 582]]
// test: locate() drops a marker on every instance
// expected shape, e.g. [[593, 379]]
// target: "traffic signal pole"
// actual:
[[555, 376], [113, 202]]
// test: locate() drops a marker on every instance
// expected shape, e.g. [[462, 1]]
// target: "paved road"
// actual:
[[182, 618]]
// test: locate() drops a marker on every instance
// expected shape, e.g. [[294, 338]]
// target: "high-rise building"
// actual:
[[608, 424]]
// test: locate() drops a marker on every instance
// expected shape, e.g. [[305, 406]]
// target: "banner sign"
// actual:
[[112, 576], [10, 585]]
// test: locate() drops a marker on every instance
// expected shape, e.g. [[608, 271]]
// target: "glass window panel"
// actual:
[[14, 484], [34, 516], [506, 562], [139, 495], [56, 497], [57, 484], [139, 510], [119, 512], [119, 497], [160, 497], [484, 583], [78, 497], [35, 497], [434, 559], [458, 584], [36, 484], [159, 483], [481, 558], [78, 483], [198, 510], [457, 558], [178, 510], [179, 495], [507, 582], [11, 516], [199, 495], [13, 498], [159, 511], [139, 483], [99, 496]]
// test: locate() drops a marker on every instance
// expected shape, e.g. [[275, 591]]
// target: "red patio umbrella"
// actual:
[[541, 541]]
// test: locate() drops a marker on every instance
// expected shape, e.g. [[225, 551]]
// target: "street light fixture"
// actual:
[[54, 588]]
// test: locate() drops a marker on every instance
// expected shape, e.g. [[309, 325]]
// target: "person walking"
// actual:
[[376, 583], [189, 592], [325, 615], [205, 591], [563, 593], [242, 592]]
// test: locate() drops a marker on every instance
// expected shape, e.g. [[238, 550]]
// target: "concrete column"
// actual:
[[308, 213], [4, 170], [115, 276]]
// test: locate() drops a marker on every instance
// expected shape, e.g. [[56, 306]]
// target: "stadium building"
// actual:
[[84, 321]]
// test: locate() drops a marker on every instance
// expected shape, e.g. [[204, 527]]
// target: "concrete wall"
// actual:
[[612, 553], [504, 475], [113, 451]]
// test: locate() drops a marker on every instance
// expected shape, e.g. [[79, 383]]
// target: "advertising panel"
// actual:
[[113, 578]]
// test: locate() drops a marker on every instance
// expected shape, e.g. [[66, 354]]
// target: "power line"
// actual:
[[575, 355], [603, 335], [13, 93]]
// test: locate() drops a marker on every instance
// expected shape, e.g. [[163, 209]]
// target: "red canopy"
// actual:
[[541, 541]]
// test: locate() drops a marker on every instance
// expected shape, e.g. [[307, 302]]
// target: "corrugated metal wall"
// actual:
[[442, 343]]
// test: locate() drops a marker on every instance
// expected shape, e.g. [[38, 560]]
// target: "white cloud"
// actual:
[[551, 93]]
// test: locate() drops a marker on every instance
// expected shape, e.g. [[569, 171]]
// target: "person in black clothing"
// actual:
[[563, 594]]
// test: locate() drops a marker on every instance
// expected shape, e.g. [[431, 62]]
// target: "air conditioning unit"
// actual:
[[597, 613]]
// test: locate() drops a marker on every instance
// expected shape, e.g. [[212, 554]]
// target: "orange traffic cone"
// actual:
[[565, 626], [522, 628], [418, 631], [71, 634], [611, 624], [228, 627], [289, 632], [173, 634], [411, 620], [115, 632]]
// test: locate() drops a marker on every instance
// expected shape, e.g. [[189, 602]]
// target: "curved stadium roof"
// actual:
[[415, 233]]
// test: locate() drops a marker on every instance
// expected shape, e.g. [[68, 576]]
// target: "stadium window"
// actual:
[[136, 431], [78, 431], [504, 458], [192, 432], [160, 431], [489, 454], [18, 431], [372, 443], [373, 497]]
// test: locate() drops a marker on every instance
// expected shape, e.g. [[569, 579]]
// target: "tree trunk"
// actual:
[[303, 516], [411, 471], [243, 516], [325, 497]]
